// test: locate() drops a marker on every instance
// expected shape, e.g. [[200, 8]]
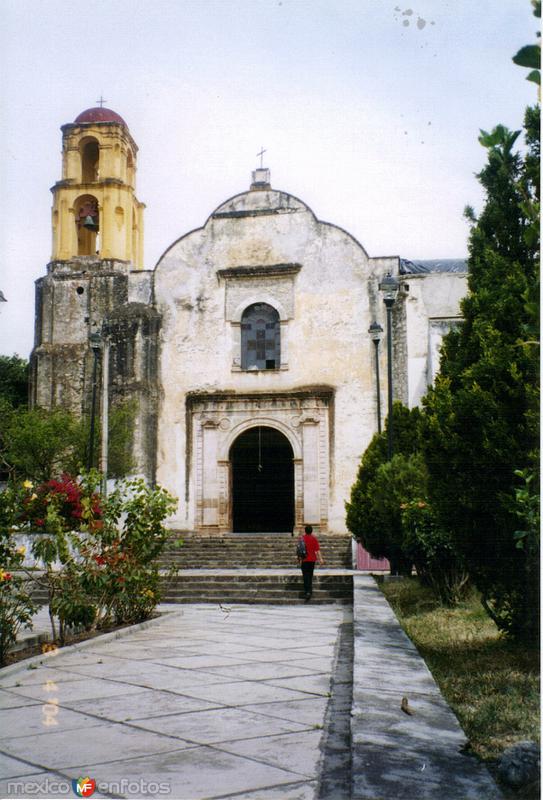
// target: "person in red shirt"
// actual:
[[313, 554]]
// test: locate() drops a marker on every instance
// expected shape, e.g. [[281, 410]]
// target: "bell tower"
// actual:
[[96, 331], [95, 209]]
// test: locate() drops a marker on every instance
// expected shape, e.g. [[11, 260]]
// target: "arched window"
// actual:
[[130, 171], [90, 158], [260, 337]]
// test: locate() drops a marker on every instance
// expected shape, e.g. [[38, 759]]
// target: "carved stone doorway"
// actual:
[[262, 481]]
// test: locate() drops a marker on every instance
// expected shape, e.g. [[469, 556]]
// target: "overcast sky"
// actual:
[[369, 111]]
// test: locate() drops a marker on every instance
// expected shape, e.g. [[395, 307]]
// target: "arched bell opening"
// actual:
[[134, 239], [88, 224], [90, 160], [262, 482], [130, 170]]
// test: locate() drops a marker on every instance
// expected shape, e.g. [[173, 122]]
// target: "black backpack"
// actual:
[[301, 550]]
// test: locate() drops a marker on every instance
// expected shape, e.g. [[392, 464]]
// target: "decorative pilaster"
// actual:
[[310, 428]]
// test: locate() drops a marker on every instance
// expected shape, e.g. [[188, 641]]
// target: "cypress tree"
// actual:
[[481, 418]]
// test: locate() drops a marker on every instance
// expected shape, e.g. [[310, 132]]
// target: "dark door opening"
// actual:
[[262, 482]]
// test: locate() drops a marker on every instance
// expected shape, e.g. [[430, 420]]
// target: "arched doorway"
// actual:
[[262, 481]]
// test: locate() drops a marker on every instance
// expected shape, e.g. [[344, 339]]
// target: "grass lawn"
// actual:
[[491, 684]]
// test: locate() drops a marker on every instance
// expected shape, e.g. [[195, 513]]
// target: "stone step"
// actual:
[[247, 540], [238, 551], [255, 548], [227, 586], [245, 597], [253, 537], [258, 600], [251, 546], [239, 557], [257, 576], [239, 567]]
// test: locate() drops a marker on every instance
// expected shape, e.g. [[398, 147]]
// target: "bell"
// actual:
[[90, 223]]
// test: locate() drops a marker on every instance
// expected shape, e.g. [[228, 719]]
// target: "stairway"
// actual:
[[252, 568]]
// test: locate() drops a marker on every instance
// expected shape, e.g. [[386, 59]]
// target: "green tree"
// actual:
[[481, 422], [373, 513], [38, 444], [14, 380], [529, 56], [121, 432]]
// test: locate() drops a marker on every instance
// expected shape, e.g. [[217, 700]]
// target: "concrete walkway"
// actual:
[[396, 755], [235, 702], [207, 703]]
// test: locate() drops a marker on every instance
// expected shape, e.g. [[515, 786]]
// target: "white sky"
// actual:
[[373, 123]]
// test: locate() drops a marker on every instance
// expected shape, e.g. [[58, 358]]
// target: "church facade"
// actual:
[[245, 350]]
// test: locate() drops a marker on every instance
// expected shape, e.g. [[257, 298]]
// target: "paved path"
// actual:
[[396, 756], [207, 703], [235, 703]]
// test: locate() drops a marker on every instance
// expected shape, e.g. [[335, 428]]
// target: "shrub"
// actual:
[[16, 604], [98, 556], [132, 538], [433, 552], [67, 508], [373, 513]]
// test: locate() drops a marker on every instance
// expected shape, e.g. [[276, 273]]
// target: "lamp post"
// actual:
[[104, 449], [94, 341], [390, 287], [375, 331]]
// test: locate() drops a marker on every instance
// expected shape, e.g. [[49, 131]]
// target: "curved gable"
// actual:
[[255, 203]]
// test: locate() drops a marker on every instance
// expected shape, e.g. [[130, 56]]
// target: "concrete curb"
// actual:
[[397, 754], [72, 648]]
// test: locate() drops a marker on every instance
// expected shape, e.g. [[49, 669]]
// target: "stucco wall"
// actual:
[[432, 305], [327, 309]]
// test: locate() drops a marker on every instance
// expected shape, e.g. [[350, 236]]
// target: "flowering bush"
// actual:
[[16, 604], [71, 499], [433, 552], [98, 556], [121, 557], [63, 510]]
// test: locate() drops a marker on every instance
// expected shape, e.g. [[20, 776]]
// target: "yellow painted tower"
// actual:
[[95, 209]]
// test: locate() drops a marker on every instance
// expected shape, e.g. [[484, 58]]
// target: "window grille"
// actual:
[[260, 337]]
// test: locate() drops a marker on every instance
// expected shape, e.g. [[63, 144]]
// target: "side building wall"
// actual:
[[432, 308]]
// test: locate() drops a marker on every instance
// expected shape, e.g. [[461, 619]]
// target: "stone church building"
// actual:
[[245, 349]]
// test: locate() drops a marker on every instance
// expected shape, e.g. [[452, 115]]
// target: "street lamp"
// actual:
[[104, 448], [94, 342], [375, 331], [390, 287]]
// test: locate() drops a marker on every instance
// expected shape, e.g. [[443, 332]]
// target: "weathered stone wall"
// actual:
[[132, 333], [72, 301], [86, 295]]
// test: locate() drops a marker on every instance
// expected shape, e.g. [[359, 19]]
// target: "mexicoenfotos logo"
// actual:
[[84, 787]]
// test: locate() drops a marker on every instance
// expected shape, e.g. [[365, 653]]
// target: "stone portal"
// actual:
[[262, 481], [294, 479]]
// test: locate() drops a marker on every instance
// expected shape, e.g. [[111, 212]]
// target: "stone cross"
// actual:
[[101, 101], [261, 154]]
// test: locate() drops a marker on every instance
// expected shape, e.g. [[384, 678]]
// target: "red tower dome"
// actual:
[[99, 115]]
